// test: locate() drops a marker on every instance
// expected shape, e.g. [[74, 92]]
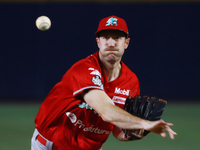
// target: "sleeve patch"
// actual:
[[97, 81]]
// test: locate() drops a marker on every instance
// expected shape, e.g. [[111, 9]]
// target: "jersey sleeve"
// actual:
[[86, 76]]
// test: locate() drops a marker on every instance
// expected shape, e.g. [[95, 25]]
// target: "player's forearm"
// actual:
[[122, 119], [104, 106]]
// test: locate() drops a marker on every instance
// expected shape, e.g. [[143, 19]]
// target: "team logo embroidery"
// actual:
[[97, 81], [86, 106], [112, 21]]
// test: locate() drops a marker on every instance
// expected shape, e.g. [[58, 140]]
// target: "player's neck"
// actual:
[[112, 70]]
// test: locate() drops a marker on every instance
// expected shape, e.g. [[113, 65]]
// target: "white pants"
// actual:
[[36, 145]]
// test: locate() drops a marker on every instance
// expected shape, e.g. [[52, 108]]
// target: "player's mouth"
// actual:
[[111, 49]]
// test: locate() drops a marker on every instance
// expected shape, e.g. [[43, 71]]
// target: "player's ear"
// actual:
[[127, 40], [97, 39]]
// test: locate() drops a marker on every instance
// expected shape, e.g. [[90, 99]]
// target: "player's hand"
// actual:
[[120, 135], [157, 127]]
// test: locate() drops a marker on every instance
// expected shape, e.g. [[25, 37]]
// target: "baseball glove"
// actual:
[[149, 108]]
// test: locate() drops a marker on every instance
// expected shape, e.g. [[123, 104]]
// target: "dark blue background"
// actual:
[[163, 52]]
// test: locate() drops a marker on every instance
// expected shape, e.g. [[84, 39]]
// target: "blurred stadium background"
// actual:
[[164, 53]]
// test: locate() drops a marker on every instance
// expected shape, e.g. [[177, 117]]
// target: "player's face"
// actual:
[[112, 44]]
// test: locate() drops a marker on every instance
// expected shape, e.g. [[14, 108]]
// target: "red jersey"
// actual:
[[67, 120]]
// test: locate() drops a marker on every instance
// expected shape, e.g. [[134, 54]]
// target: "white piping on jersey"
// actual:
[[89, 87]]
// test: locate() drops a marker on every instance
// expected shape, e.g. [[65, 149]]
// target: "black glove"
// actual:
[[149, 108]]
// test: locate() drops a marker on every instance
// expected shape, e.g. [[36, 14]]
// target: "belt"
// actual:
[[44, 142]]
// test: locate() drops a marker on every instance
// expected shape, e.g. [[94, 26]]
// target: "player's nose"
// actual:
[[111, 42]]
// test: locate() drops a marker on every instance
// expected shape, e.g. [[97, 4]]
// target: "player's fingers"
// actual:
[[169, 124], [167, 128], [163, 134], [170, 131], [166, 123], [171, 136]]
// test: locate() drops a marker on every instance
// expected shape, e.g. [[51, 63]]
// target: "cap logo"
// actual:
[[112, 21]]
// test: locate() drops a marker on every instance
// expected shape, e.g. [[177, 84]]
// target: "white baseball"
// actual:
[[43, 23]]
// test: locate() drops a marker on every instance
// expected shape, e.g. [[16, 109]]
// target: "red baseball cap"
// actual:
[[112, 22]]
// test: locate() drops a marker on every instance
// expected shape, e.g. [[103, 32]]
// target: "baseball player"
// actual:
[[82, 109]]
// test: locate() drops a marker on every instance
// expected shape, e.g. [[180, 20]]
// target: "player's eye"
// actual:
[[104, 37], [116, 38]]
